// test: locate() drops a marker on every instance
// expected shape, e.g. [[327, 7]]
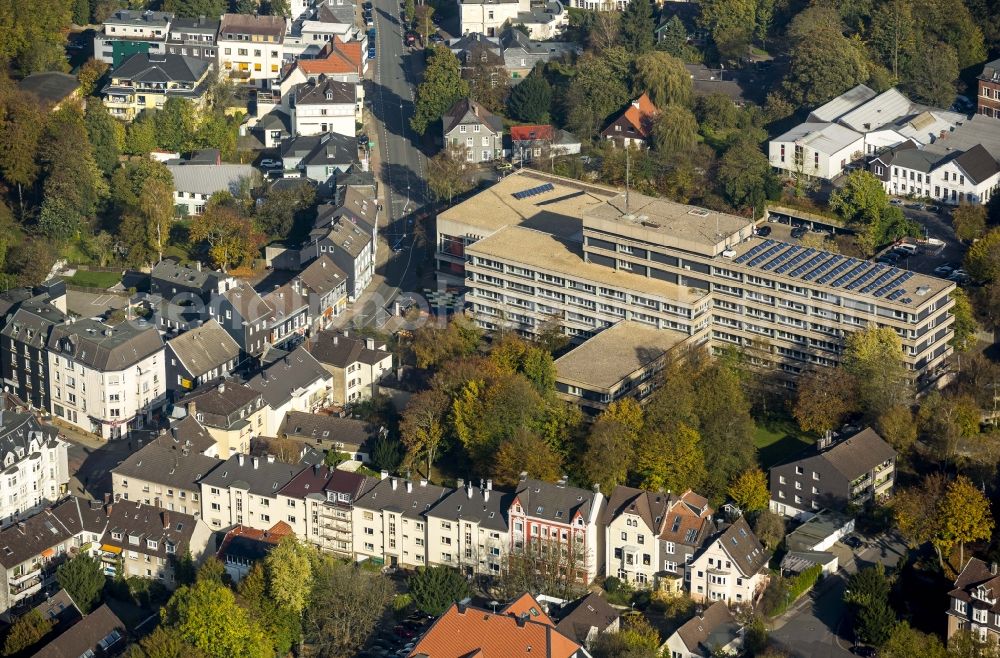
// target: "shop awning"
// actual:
[[107, 548]]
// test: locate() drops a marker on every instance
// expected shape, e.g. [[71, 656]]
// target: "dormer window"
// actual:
[[329, 95]]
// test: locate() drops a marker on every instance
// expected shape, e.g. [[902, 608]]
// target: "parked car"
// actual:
[[852, 542], [895, 202], [268, 163], [363, 141], [763, 231], [799, 231], [915, 206], [371, 35], [369, 21], [933, 208], [435, 38], [410, 38], [867, 652], [367, 5], [371, 52], [944, 270]]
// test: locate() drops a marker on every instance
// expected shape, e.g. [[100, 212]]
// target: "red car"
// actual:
[[404, 632]]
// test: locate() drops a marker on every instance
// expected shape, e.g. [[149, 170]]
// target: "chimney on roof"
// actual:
[[468, 490], [993, 568], [489, 485], [270, 459], [256, 462], [239, 459], [521, 620], [393, 484], [461, 607], [197, 266], [409, 486], [108, 508], [166, 520], [825, 441], [524, 476], [383, 475], [635, 104], [460, 482], [597, 487]]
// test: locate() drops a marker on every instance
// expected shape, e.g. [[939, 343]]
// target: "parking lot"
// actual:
[[399, 639]]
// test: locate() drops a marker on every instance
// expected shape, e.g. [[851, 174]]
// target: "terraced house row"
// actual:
[[536, 248]]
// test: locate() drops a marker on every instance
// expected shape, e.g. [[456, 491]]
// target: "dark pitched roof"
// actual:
[[698, 631], [977, 163], [199, 24], [279, 382], [650, 506], [322, 276], [32, 323], [859, 454], [147, 523], [60, 609], [263, 477], [480, 504], [273, 26], [28, 538], [469, 111], [343, 228], [103, 347], [579, 616], [739, 542], [247, 302], [311, 427], [411, 499], [204, 348], [248, 545], [168, 461], [101, 633], [170, 271], [917, 159], [319, 480], [189, 432], [220, 403], [991, 71], [978, 574], [326, 149], [50, 87], [143, 67], [340, 349], [21, 434], [555, 502], [326, 90]]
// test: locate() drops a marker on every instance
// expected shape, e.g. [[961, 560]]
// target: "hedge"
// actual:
[[796, 587]]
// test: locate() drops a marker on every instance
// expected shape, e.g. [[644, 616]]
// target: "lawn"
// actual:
[[94, 279], [778, 440]]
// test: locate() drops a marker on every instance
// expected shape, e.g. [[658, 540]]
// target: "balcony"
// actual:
[[34, 581]]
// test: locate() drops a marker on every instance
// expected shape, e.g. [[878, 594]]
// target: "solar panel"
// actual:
[[906, 300], [866, 277], [795, 261], [524, 194], [837, 271], [878, 282], [896, 295], [811, 263], [891, 282], [756, 250], [767, 254], [782, 258], [850, 275]]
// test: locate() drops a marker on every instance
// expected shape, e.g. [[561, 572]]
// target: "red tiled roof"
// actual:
[[524, 133], [639, 114], [336, 57], [466, 632], [272, 536], [527, 605]]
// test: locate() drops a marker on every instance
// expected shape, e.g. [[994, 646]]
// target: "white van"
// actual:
[[911, 249]]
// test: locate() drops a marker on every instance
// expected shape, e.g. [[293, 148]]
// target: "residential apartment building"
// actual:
[[467, 529], [165, 472], [988, 97], [355, 363], [326, 105], [102, 633], [707, 634], [146, 542], [348, 240], [850, 472], [244, 491], [198, 356], [106, 379], [193, 37], [687, 526], [145, 82], [319, 504], [322, 157], [230, 411], [296, 382], [390, 523], [973, 606], [678, 267], [325, 285], [732, 567], [489, 17], [544, 514], [621, 361], [474, 131], [188, 283], [324, 433], [251, 48], [35, 466], [24, 362], [32, 549], [521, 53], [970, 176], [632, 522], [195, 183], [289, 316], [245, 315], [128, 31], [243, 547]]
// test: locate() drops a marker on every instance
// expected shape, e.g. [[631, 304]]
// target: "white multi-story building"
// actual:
[[947, 176], [317, 504], [251, 48], [731, 567], [326, 105], [468, 529], [632, 524], [244, 491], [297, 382], [106, 379], [389, 522], [35, 466], [128, 31]]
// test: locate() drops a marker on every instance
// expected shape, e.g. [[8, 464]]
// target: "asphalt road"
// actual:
[[402, 165]]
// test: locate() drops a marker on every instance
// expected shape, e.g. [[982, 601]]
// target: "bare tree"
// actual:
[[347, 603], [542, 566]]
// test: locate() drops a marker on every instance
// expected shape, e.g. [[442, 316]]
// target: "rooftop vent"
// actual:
[[700, 212]]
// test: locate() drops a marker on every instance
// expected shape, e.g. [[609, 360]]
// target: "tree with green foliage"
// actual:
[[610, 446], [635, 638], [231, 238], [675, 131], [637, 26], [965, 516], [725, 425], [163, 643], [824, 62], [73, 184], [347, 603], [176, 124], [526, 452], [435, 589], [673, 460], [969, 221], [277, 8], [749, 490], [433, 346], [441, 87], [731, 24], [664, 78], [932, 77], [531, 99], [21, 131], [106, 137], [897, 426], [282, 625], [746, 177], [593, 94], [449, 174], [489, 85], [424, 424], [83, 580], [513, 354], [25, 632], [196, 8], [277, 213], [965, 327], [33, 36], [867, 594], [289, 574], [140, 135], [907, 642], [673, 37], [769, 528], [894, 34], [81, 12], [824, 398], [387, 454], [983, 258], [864, 205], [874, 359], [207, 616]]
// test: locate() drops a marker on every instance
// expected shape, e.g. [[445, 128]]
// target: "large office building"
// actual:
[[536, 248]]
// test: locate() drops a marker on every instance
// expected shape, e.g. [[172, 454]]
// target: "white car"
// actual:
[[268, 163]]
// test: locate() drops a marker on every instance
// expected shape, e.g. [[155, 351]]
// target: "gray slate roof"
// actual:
[[21, 434], [326, 90], [322, 276], [411, 499], [259, 476], [103, 347], [199, 25], [317, 480], [470, 112], [343, 228], [977, 163], [149, 523], [169, 271], [28, 538], [743, 547], [282, 379], [143, 67], [221, 402], [100, 631], [477, 504], [209, 178], [308, 427], [650, 506], [247, 302], [715, 622], [140, 18], [51, 87], [859, 454], [204, 348], [554, 502], [168, 462], [340, 349], [32, 322], [579, 616], [188, 431]]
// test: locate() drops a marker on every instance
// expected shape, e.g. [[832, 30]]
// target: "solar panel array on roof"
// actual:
[[795, 261], [524, 194], [766, 255], [782, 258], [754, 251], [822, 268]]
